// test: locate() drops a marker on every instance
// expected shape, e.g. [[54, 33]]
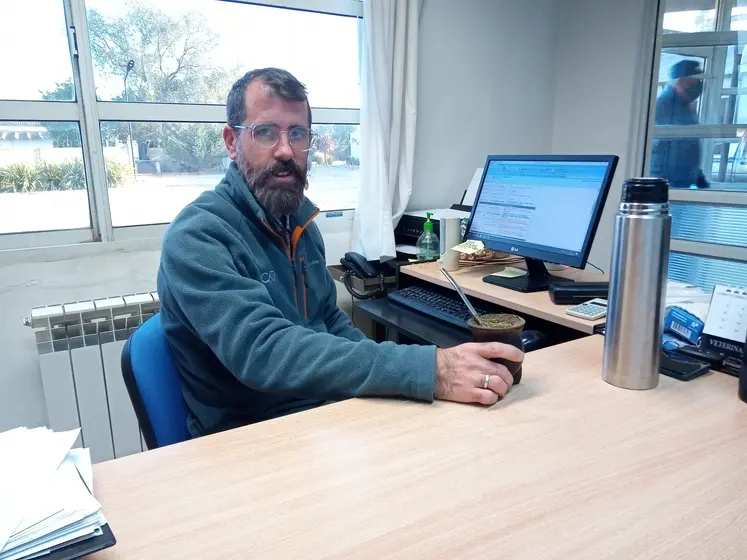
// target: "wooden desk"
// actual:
[[537, 304], [565, 467]]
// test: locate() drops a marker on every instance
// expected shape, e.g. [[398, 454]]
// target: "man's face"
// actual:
[[276, 175], [690, 88]]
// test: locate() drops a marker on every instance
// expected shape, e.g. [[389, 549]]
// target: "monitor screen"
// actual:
[[542, 207]]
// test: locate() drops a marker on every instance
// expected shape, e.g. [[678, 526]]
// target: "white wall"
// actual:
[[600, 89], [485, 86]]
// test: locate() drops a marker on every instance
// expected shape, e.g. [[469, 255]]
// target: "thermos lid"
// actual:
[[646, 190]]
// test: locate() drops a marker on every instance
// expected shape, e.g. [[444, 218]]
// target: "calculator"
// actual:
[[589, 310]]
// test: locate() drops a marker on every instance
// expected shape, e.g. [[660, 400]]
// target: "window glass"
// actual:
[[706, 223], [334, 175], [689, 16], [701, 162], [157, 168], [35, 63], [191, 51], [706, 272], [42, 177], [738, 20], [719, 94]]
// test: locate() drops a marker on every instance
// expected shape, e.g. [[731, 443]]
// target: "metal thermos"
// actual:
[[638, 277]]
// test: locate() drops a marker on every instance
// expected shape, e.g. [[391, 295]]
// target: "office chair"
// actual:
[[152, 381]]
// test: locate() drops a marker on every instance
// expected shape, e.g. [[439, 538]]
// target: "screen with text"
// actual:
[[547, 205]]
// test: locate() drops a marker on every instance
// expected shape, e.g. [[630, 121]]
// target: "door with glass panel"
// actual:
[[698, 137]]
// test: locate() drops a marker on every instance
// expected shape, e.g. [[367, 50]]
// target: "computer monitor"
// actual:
[[543, 208]]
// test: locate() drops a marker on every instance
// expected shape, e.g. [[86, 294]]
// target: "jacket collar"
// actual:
[[242, 196]]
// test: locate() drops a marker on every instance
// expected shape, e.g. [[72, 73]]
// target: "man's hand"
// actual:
[[461, 371]]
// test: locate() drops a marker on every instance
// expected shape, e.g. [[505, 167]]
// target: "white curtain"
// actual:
[[389, 76]]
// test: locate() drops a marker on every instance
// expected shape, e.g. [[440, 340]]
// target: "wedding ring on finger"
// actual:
[[486, 381]]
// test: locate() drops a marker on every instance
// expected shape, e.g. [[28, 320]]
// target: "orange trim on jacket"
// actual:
[[276, 234], [298, 231]]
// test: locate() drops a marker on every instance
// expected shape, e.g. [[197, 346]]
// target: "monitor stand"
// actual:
[[538, 279]]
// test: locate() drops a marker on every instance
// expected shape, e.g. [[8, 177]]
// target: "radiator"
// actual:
[[79, 346]]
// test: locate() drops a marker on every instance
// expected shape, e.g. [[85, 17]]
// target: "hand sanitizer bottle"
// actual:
[[427, 246]]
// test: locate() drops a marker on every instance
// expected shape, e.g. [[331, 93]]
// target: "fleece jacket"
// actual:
[[253, 321]]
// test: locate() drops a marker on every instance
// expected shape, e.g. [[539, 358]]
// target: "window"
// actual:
[[175, 52], [335, 164], [154, 169], [706, 272], [697, 16], [191, 51], [710, 223], [159, 167], [38, 43], [119, 125], [697, 137], [42, 177], [686, 16]]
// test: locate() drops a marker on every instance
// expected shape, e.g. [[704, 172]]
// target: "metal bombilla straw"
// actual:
[[453, 282]]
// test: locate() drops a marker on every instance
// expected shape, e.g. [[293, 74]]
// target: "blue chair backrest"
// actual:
[[152, 381]]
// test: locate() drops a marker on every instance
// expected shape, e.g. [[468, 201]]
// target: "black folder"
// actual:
[[84, 547]]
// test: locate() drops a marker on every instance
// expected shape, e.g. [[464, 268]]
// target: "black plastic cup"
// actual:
[[508, 331]]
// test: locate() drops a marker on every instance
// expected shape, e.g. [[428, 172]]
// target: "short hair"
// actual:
[[684, 69], [280, 82]]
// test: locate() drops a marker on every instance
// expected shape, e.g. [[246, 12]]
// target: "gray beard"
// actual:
[[278, 200]]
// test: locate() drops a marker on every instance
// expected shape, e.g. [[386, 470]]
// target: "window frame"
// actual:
[[90, 113], [717, 38]]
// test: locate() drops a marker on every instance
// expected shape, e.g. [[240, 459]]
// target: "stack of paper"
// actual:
[[688, 297], [46, 499]]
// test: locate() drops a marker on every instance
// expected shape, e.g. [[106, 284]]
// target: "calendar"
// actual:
[[727, 316], [726, 326]]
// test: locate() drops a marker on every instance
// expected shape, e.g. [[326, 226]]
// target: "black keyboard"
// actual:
[[441, 306]]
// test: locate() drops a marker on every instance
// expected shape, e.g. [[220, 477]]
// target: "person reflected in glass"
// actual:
[[678, 159]]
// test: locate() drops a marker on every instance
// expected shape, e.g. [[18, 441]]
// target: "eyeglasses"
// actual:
[[268, 135]]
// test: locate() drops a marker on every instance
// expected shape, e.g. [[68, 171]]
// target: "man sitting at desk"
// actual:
[[248, 306]]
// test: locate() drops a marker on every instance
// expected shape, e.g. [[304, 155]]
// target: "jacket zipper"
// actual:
[[291, 254], [295, 238], [287, 254], [295, 282], [305, 289], [282, 241]]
